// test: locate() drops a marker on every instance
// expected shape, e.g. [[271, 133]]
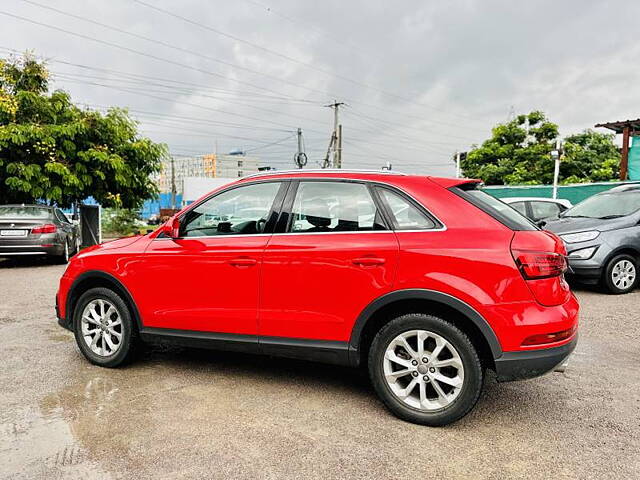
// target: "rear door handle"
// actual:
[[243, 262], [368, 261]]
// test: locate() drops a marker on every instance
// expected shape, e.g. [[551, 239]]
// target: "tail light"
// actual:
[[536, 265], [46, 228]]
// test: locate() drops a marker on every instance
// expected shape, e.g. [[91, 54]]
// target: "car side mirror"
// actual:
[[172, 228]]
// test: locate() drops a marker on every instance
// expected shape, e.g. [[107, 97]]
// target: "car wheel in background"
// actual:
[[621, 274], [425, 370], [64, 258], [103, 328]]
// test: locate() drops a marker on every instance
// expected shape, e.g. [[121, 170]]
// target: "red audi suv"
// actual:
[[426, 282]]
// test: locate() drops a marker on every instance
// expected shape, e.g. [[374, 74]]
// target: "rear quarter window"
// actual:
[[502, 212]]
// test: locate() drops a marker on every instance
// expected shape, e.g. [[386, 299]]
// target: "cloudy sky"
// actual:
[[420, 78]]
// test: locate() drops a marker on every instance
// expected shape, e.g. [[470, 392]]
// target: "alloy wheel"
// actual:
[[423, 370], [623, 274], [101, 327]]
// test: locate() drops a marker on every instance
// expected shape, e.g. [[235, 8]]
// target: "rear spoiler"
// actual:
[[454, 182]]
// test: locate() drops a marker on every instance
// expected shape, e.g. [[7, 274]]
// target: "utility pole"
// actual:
[[457, 164], [335, 144], [555, 154], [173, 183], [300, 158]]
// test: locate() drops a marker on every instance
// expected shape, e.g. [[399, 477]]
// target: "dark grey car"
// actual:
[[602, 236], [37, 230]]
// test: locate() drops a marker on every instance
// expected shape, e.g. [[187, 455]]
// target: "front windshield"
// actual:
[[606, 205]]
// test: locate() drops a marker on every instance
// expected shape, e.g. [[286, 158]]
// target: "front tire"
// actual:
[[103, 328], [621, 274], [425, 370]]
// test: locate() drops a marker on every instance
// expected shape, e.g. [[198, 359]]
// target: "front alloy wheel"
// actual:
[[621, 275], [103, 327]]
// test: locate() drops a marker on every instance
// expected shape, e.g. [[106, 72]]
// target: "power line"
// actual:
[[291, 59]]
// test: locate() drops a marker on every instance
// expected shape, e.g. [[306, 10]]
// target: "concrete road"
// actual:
[[191, 414]]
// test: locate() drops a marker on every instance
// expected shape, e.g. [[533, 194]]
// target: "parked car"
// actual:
[[37, 230], [602, 235], [439, 284], [538, 208]]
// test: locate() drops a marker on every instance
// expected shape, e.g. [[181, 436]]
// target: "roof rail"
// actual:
[[323, 170]]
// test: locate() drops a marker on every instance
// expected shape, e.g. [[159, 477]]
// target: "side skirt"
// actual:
[[323, 351]]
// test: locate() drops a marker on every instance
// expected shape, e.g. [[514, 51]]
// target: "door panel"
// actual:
[[315, 285], [336, 259], [207, 284], [208, 279]]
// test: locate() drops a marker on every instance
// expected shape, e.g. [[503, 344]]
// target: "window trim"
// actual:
[[288, 189]]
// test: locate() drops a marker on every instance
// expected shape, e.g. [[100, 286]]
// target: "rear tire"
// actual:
[[64, 257], [621, 274], [434, 355], [103, 328]]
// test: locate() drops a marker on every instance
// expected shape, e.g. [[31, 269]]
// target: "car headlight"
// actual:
[[583, 253], [580, 236]]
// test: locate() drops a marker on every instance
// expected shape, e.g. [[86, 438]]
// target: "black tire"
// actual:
[[473, 370], [64, 257], [128, 341], [608, 281]]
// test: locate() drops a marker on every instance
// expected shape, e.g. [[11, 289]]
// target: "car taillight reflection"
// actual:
[[46, 228]]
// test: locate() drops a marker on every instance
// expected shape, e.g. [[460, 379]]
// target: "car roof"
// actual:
[[535, 199], [372, 175], [27, 205], [629, 187]]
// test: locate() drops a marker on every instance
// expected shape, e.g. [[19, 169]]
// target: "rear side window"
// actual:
[[494, 207], [521, 207], [334, 207], [404, 215]]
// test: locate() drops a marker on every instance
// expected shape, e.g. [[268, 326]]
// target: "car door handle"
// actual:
[[368, 261], [243, 262]]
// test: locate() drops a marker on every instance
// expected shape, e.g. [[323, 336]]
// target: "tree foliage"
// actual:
[[52, 150], [519, 152]]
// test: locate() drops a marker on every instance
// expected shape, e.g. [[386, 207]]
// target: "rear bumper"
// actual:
[[61, 320], [26, 250], [533, 363]]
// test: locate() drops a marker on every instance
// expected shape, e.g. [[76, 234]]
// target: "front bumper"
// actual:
[[532, 363]]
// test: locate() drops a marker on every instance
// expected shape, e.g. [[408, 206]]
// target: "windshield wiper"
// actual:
[[607, 217]]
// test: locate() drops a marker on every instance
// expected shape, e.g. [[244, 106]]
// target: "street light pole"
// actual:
[[555, 154]]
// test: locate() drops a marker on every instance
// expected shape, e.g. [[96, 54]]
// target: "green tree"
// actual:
[[590, 157], [54, 151], [518, 152]]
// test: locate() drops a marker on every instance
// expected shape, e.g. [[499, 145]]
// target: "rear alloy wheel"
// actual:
[[621, 274], [425, 370], [103, 328]]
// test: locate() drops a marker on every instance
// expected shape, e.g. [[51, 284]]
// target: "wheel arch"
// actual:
[[385, 308], [622, 250], [93, 279]]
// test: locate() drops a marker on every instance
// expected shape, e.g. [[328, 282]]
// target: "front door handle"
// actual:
[[243, 262], [368, 261]]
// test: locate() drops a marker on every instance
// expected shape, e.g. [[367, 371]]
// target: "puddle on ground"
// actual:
[[43, 443]]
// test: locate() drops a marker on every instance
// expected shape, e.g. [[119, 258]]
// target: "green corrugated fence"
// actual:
[[574, 193]]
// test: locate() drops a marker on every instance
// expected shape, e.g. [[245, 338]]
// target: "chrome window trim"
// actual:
[[357, 180]]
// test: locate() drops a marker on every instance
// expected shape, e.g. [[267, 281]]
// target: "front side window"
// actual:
[[334, 207], [405, 215], [239, 211]]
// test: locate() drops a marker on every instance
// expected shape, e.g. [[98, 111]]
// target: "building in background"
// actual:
[[230, 166]]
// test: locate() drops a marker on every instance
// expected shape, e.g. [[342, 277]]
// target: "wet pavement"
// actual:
[[198, 414]]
